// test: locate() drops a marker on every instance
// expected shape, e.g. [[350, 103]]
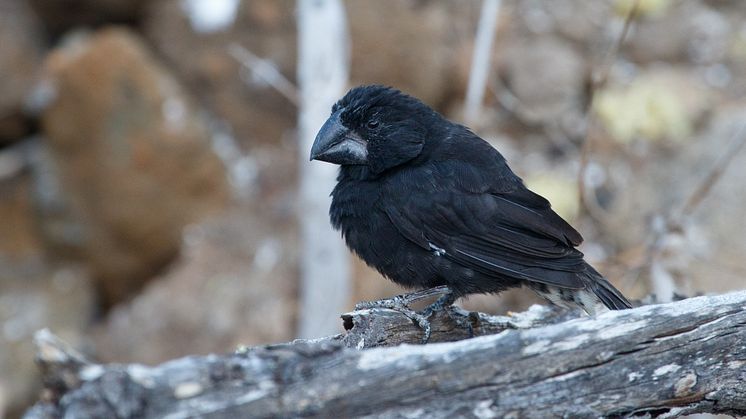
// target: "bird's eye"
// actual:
[[373, 124]]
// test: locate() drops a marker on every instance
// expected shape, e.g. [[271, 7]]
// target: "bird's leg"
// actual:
[[445, 302], [463, 318], [401, 304], [403, 300]]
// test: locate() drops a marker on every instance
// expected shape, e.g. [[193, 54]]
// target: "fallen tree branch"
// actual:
[[658, 360]]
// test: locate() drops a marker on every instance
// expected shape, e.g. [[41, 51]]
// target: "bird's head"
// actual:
[[375, 126]]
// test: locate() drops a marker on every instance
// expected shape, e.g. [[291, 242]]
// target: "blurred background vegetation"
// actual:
[[149, 160]]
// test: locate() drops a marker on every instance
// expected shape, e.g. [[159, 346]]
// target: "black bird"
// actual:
[[428, 203]]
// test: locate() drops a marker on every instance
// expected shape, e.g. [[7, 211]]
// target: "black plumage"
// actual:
[[427, 203]]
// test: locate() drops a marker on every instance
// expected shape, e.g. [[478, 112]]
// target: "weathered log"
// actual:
[[658, 360]]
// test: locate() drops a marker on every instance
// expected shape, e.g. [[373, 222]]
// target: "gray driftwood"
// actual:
[[658, 360]]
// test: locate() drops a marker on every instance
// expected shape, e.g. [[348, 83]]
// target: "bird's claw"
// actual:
[[403, 300], [452, 311], [394, 303], [464, 319], [424, 324], [444, 302], [422, 319], [401, 304]]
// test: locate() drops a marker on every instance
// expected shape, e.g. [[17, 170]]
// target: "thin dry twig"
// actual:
[[598, 83], [265, 70]]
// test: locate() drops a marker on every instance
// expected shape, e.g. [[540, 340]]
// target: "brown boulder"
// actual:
[[134, 159]]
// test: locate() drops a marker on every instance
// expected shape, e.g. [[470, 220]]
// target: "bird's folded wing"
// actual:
[[496, 234]]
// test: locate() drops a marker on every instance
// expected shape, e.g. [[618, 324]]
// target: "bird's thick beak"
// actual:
[[336, 144]]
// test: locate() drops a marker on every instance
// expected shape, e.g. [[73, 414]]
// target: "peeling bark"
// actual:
[[658, 360]]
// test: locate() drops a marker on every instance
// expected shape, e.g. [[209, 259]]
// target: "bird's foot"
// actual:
[[401, 304], [443, 303], [403, 300], [464, 319]]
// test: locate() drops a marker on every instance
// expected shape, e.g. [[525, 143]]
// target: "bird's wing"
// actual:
[[513, 233]]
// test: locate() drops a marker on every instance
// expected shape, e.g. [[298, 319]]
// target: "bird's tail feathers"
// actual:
[[596, 297], [604, 291]]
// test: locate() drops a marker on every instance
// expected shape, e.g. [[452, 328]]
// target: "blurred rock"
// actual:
[[576, 20], [58, 220], [687, 30], [20, 236], [547, 76], [60, 16], [197, 49], [234, 284], [420, 47], [21, 46], [645, 8], [134, 159], [663, 103], [714, 244], [33, 296]]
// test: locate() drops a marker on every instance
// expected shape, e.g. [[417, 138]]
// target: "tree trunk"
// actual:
[[322, 77], [481, 60]]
